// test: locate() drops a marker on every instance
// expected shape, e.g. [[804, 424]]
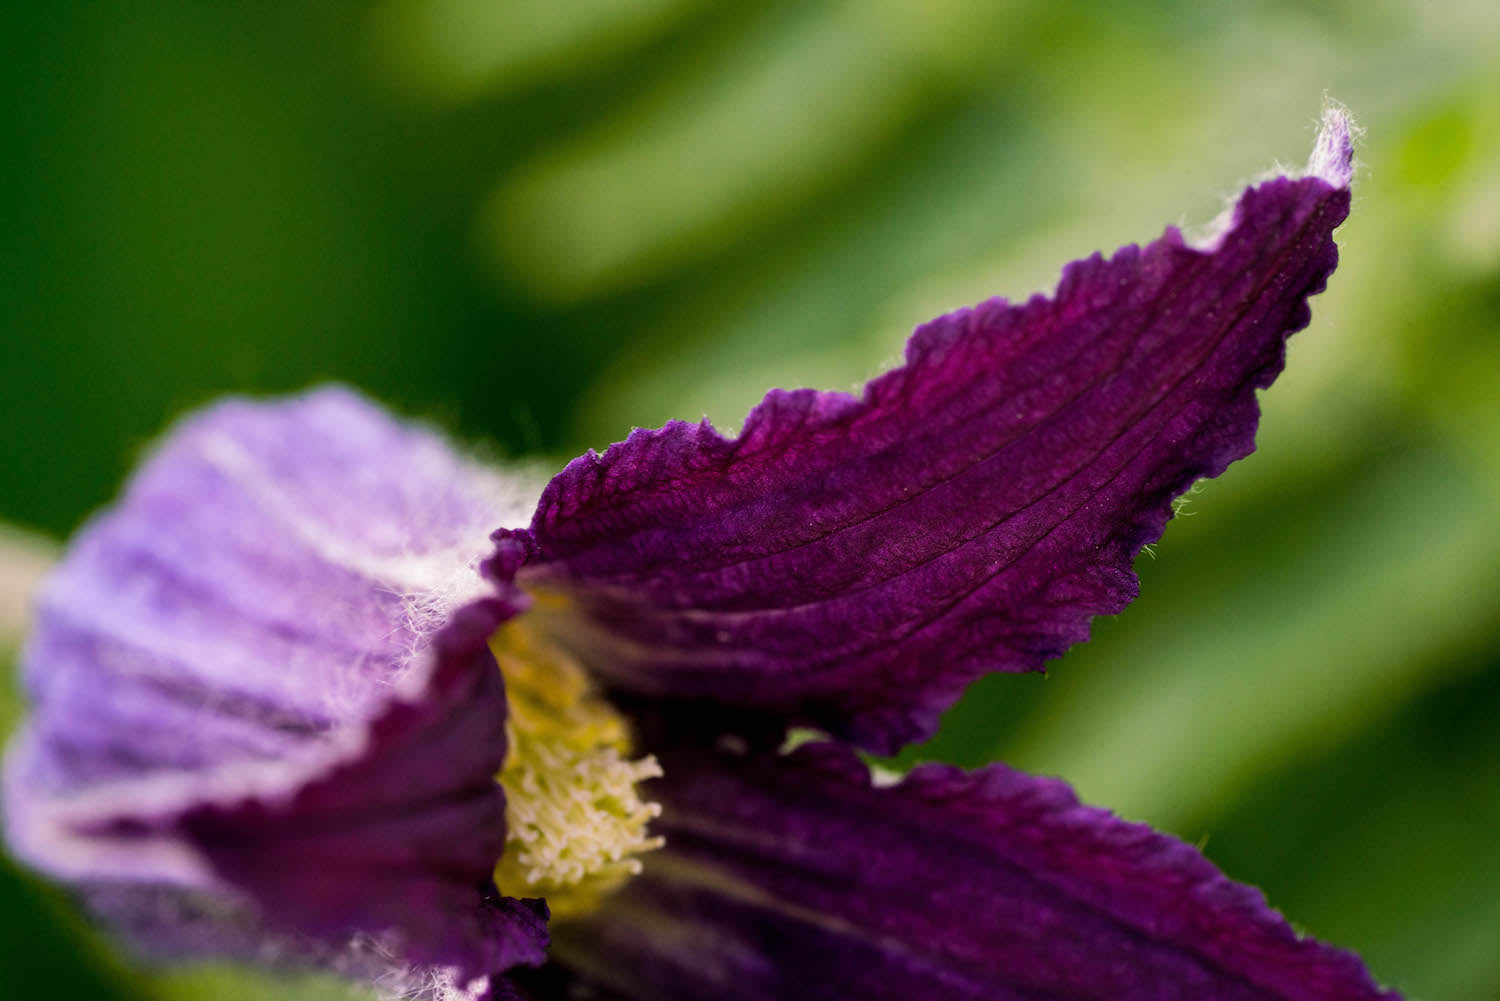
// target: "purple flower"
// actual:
[[274, 686]]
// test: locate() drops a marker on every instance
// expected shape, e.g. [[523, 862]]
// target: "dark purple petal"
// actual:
[[264, 674], [405, 835], [851, 563], [797, 878]]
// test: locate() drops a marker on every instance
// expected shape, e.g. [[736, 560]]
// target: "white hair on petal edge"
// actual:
[[429, 983], [1331, 161], [1332, 158]]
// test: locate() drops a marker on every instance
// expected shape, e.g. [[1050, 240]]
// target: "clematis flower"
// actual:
[[305, 694]]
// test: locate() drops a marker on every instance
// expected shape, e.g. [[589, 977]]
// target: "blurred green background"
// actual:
[[540, 224]]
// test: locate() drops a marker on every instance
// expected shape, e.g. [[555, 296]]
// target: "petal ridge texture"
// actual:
[[797, 877], [263, 676], [850, 564]]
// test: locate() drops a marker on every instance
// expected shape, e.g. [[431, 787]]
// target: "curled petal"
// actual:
[[796, 877], [851, 563], [262, 678]]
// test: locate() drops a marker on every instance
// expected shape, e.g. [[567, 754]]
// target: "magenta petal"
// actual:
[[263, 675], [795, 877], [851, 563]]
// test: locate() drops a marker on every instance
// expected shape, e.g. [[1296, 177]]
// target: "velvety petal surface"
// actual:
[[263, 674], [851, 563], [795, 877]]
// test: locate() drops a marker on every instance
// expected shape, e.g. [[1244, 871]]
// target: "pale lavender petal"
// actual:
[[264, 673], [851, 563], [797, 878]]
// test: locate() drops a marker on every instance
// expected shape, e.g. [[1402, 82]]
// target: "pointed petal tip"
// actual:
[[1332, 157], [852, 563]]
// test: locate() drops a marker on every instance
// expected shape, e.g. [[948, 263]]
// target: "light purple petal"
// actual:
[[851, 563], [264, 674], [797, 878]]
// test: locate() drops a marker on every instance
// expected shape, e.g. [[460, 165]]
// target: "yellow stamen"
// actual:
[[576, 820]]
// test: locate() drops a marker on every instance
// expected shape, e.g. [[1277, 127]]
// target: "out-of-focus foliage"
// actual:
[[544, 223]]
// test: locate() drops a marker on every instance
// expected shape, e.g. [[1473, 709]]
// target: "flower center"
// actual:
[[575, 819]]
